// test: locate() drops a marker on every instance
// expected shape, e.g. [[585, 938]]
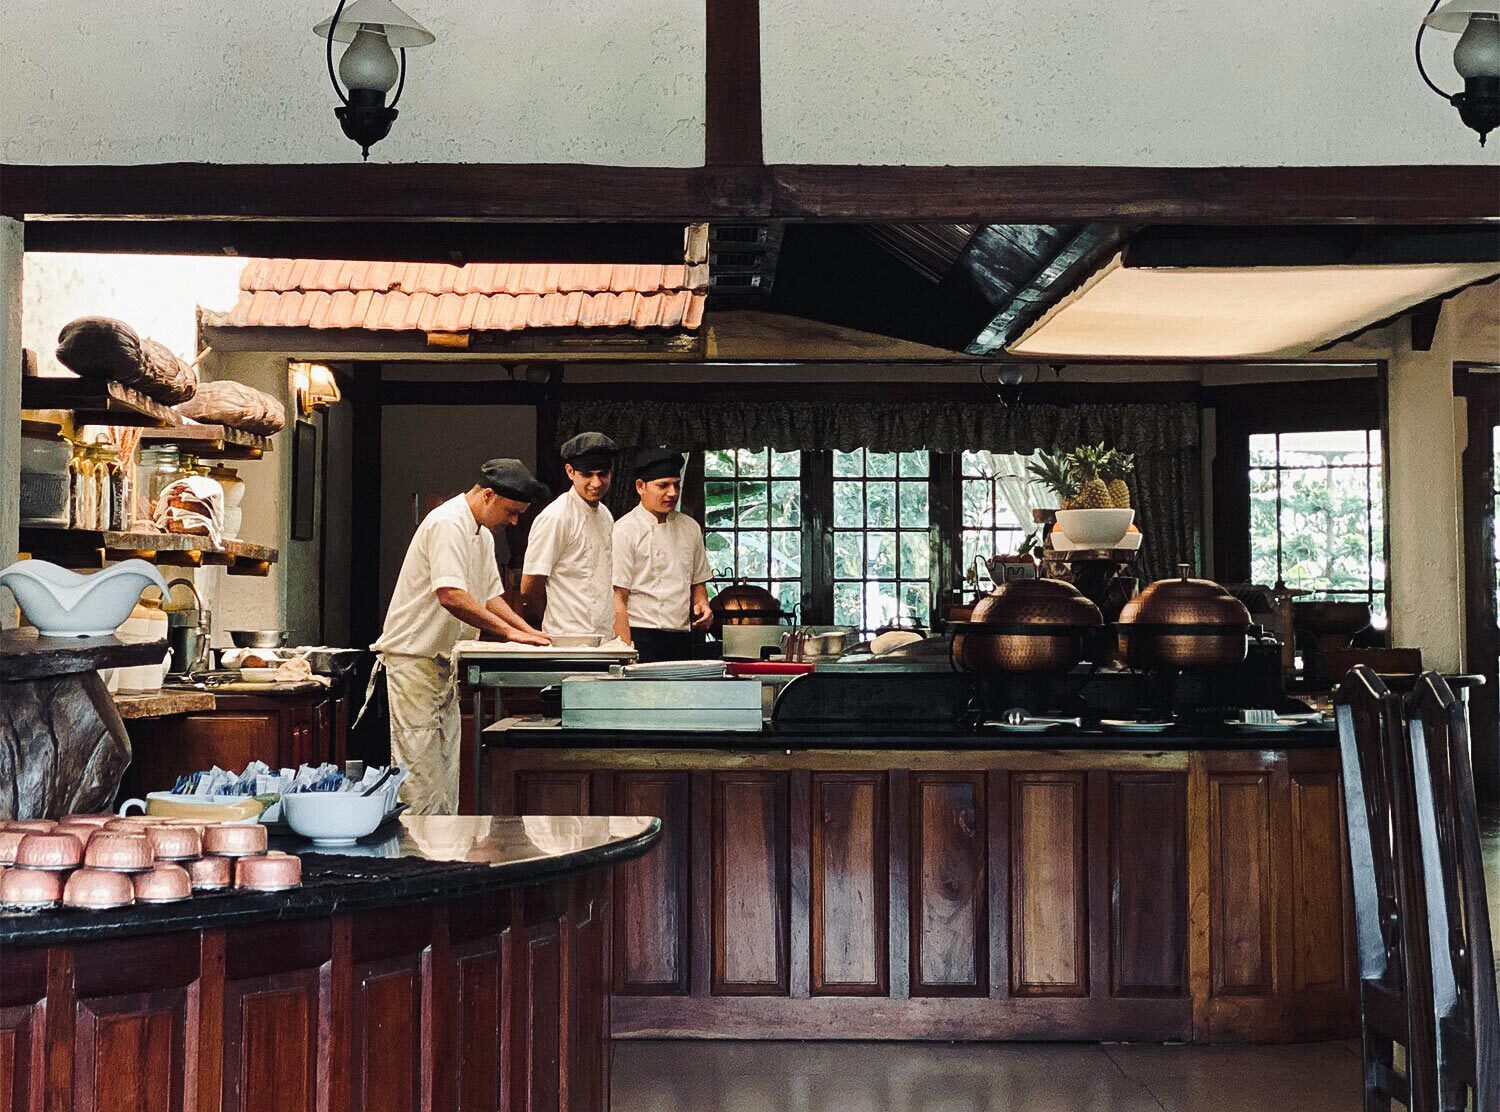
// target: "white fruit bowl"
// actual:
[[1095, 528], [333, 818]]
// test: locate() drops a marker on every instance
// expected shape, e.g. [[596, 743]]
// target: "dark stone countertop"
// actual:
[[417, 859], [522, 733], [24, 655]]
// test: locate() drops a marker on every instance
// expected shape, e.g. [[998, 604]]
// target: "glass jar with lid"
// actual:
[[158, 467]]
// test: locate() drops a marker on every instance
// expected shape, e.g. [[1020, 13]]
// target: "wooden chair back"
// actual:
[[1465, 1026], [1369, 723]]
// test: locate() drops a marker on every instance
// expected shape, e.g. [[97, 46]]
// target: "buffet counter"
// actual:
[[461, 962], [958, 885]]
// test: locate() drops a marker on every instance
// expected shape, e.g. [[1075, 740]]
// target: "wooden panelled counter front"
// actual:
[[978, 893], [399, 996]]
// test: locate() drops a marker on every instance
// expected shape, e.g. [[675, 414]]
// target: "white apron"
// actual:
[[426, 730]]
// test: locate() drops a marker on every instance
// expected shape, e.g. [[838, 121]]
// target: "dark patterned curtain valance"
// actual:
[[939, 426]]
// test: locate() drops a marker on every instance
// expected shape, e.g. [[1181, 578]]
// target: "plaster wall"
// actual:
[[1094, 82], [1278, 82], [179, 80], [10, 402]]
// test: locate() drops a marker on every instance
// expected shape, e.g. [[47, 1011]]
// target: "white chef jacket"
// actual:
[[450, 549], [571, 544], [658, 562]]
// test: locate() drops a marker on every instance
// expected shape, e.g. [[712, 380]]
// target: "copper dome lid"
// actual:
[[1037, 602], [743, 603], [1186, 602]]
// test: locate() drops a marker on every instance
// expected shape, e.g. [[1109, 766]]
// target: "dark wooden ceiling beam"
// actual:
[[956, 194], [731, 101]]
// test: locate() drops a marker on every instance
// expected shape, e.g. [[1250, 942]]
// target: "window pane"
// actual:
[[916, 555], [786, 464], [846, 604], [1263, 450], [718, 505], [752, 508], [752, 462], [717, 462], [880, 555], [786, 504], [880, 511], [848, 464], [754, 555], [1302, 448], [848, 555], [915, 465], [978, 503], [914, 505], [786, 554], [720, 549], [848, 505], [790, 595], [916, 602], [880, 464], [882, 604]]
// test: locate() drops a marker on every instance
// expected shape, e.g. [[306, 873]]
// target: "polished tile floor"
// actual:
[[1012, 1077]]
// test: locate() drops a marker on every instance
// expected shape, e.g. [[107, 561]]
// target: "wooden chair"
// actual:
[[1464, 1024], [1371, 735]]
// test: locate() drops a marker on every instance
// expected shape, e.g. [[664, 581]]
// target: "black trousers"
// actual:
[[665, 644]]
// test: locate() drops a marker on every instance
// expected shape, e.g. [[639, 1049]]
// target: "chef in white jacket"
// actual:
[[449, 583], [565, 580]]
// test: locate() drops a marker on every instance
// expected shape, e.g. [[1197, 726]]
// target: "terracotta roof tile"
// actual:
[[438, 297]]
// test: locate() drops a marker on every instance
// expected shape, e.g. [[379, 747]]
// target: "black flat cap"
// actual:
[[658, 463], [590, 451], [510, 479]]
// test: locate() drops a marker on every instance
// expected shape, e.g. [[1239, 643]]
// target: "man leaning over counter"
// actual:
[[448, 580], [661, 570], [565, 580]]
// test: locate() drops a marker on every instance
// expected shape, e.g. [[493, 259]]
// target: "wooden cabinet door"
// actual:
[[751, 894], [23, 1014], [848, 882], [166, 748], [949, 909], [653, 909]]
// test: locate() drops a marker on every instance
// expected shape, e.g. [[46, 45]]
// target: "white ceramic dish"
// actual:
[[258, 675], [1095, 528], [333, 818], [1130, 726], [62, 603]]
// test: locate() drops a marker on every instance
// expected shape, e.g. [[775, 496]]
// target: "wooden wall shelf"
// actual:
[[96, 403], [211, 441], [93, 548]]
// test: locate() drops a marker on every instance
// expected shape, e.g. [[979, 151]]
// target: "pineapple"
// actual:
[[1115, 466], [1053, 471], [1093, 491]]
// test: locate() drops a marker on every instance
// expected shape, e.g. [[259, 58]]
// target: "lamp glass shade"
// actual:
[[369, 63], [1478, 51], [401, 30], [1452, 16]]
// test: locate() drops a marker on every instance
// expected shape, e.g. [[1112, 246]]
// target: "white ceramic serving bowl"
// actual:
[[62, 603], [333, 818], [1095, 528], [258, 675]]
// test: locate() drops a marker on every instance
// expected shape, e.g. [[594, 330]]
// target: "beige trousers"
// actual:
[[426, 728]]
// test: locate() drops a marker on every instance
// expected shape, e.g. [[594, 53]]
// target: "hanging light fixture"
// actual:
[[1476, 58], [374, 29]]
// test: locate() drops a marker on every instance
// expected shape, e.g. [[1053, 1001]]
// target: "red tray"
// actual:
[[767, 668]]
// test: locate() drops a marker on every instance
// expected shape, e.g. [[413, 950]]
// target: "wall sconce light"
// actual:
[[1476, 58], [313, 387], [369, 68]]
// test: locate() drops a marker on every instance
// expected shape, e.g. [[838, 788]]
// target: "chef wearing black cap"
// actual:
[[661, 569], [449, 580], [565, 581]]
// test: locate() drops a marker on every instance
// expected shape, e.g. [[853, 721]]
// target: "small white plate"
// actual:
[[1131, 726], [1020, 728], [258, 675]]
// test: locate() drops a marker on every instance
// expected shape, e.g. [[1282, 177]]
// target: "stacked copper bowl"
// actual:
[[1182, 624], [97, 862], [1026, 625]]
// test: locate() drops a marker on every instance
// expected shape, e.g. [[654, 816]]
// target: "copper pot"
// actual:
[[1184, 623], [1026, 625], [743, 603]]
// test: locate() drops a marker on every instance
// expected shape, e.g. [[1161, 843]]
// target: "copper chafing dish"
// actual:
[[1183, 623], [745, 604], [1026, 625]]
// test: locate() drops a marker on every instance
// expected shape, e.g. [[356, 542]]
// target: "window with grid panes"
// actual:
[[1317, 502], [752, 520], [882, 552], [988, 525]]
